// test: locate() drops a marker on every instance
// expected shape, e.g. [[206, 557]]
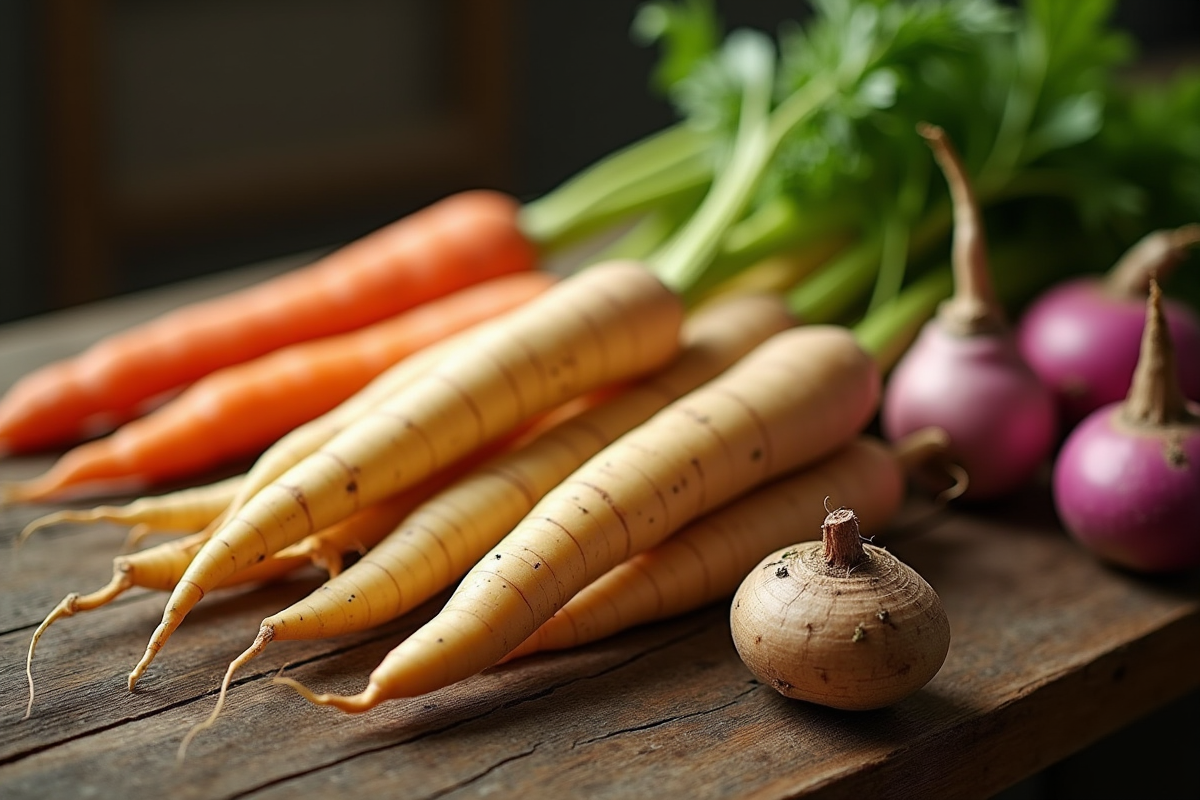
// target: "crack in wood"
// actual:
[[667, 721], [481, 775], [22, 755]]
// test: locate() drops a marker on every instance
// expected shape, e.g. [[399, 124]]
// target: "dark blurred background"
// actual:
[[144, 142]]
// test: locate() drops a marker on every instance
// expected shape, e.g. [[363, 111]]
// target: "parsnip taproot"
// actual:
[[707, 560], [448, 533], [792, 401], [161, 567], [187, 510], [609, 323]]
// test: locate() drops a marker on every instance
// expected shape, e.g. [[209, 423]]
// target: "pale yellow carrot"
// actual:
[[794, 400], [610, 323], [306, 439], [448, 533], [707, 560], [161, 567], [186, 510]]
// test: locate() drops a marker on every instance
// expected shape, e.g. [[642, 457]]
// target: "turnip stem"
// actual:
[[1154, 256], [843, 550], [919, 447], [973, 308], [1155, 397]]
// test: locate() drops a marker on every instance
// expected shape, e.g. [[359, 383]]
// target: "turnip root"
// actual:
[[839, 623], [963, 373], [1082, 336], [1127, 480]]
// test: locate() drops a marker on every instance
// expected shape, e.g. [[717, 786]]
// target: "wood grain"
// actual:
[[1050, 651]]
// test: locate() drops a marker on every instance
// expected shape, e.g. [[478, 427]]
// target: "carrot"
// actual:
[[454, 528], [375, 519], [448, 533], [457, 242], [707, 560], [238, 411], [795, 399], [161, 567], [306, 439], [606, 324], [578, 332], [185, 510]]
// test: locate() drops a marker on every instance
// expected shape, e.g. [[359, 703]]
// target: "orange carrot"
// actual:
[[448, 533], [794, 400], [457, 242], [237, 411], [609, 323], [707, 560]]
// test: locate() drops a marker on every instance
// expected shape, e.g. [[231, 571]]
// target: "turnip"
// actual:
[[1127, 480], [963, 373], [1081, 337], [839, 623]]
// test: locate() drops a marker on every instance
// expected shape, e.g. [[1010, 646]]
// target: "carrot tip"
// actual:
[[137, 671], [19, 492], [353, 704], [182, 600]]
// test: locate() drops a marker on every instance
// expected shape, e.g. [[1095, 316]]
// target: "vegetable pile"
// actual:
[[574, 455]]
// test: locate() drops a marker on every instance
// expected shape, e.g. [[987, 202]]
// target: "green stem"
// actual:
[[778, 226], [648, 233], [829, 295], [893, 259], [887, 331], [664, 165], [767, 229], [682, 262], [1019, 109]]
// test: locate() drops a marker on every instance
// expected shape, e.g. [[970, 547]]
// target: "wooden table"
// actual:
[[1050, 652]]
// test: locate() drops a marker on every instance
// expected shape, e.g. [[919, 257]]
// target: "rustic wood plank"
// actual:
[[1050, 651], [668, 707]]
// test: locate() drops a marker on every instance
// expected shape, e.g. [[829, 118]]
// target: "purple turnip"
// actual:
[[963, 373], [1127, 480], [1081, 337]]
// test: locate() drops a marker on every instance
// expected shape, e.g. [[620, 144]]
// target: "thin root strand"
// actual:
[[46, 522], [69, 606], [352, 704], [265, 634]]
